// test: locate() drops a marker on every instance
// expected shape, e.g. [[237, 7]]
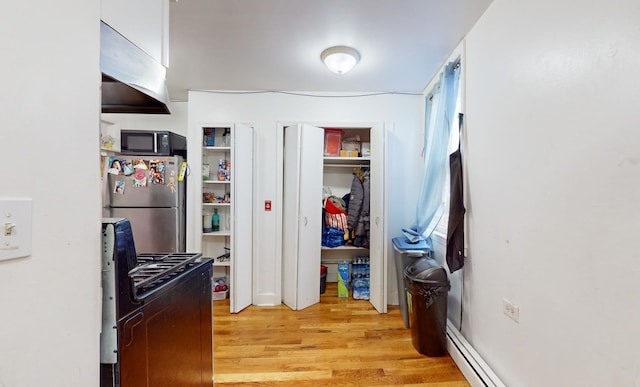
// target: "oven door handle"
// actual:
[[128, 327]]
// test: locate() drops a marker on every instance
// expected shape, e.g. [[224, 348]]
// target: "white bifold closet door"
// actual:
[[242, 218], [302, 215], [377, 257]]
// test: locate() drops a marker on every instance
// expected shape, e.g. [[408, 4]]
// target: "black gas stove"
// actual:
[[154, 306], [155, 270]]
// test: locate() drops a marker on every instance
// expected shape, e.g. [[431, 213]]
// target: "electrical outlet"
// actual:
[[511, 310]]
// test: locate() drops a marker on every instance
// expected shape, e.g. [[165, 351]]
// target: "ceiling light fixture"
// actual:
[[340, 59]]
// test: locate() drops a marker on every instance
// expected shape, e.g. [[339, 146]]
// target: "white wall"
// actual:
[[553, 156], [264, 111], [175, 122], [49, 110], [144, 22]]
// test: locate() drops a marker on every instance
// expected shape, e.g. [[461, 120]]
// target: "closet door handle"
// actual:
[[377, 220], [305, 221]]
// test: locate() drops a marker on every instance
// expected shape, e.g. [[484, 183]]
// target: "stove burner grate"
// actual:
[[153, 270]]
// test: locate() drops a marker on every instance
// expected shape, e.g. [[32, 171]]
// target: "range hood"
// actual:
[[132, 81]]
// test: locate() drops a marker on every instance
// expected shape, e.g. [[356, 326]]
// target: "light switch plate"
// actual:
[[15, 226]]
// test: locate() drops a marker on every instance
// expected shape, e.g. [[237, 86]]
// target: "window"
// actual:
[[439, 114], [454, 138]]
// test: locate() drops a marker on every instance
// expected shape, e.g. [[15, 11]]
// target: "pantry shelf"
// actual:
[[217, 233]]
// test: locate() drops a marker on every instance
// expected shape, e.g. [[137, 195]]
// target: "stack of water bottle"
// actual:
[[360, 278]]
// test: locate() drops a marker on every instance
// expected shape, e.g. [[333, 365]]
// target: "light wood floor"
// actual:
[[340, 341]]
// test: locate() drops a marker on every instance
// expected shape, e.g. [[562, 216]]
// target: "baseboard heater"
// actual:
[[475, 370]]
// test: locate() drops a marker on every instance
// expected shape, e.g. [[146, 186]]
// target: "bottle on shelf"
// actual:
[[222, 170], [226, 137], [215, 220], [209, 136], [206, 222]]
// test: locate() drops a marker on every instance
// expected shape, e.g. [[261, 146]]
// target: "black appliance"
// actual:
[[152, 143], [156, 315]]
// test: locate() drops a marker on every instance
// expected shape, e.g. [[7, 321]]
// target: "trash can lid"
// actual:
[[426, 270], [402, 244]]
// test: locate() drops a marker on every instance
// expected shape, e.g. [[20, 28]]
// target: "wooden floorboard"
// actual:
[[338, 342]]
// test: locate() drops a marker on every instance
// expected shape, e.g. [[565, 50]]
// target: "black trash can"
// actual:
[[427, 290], [406, 253]]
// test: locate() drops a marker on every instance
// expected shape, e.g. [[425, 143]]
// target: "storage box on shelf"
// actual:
[[332, 141], [348, 153], [220, 289], [366, 149], [347, 142], [217, 296]]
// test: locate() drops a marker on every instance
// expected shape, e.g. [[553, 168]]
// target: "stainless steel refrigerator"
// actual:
[[150, 192]]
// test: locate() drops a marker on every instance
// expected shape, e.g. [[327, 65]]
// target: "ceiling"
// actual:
[[276, 44]]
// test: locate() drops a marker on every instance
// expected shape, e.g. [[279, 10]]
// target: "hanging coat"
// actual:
[[355, 202], [358, 211]]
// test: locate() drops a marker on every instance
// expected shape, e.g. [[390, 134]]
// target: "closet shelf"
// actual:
[[330, 161], [343, 248], [347, 165]]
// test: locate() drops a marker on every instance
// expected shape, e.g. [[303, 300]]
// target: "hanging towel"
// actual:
[[412, 235], [455, 231]]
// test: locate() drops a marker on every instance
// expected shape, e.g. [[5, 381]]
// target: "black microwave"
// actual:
[[152, 142]]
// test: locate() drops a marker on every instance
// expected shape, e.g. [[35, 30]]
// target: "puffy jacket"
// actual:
[[358, 211]]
